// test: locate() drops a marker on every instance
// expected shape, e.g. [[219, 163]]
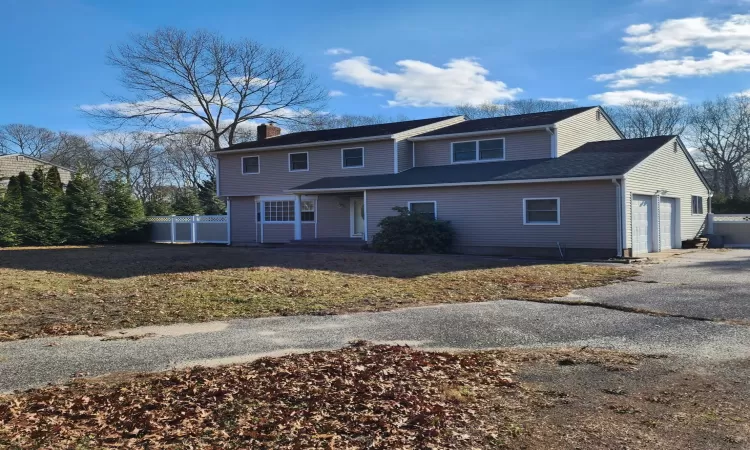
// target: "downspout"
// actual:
[[624, 213], [618, 208], [229, 221], [552, 130]]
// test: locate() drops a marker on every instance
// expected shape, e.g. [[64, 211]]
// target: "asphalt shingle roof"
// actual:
[[500, 123], [593, 159], [337, 134]]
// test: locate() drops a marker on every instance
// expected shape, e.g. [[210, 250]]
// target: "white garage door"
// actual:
[[641, 217], [667, 209]]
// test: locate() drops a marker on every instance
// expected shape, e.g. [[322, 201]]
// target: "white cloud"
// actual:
[[419, 83], [730, 34], [745, 93], [335, 93], [661, 70], [338, 51], [617, 98], [558, 99]]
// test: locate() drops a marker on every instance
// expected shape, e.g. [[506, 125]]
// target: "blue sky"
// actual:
[[396, 59]]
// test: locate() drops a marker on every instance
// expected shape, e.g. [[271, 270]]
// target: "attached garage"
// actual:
[[667, 222], [642, 224]]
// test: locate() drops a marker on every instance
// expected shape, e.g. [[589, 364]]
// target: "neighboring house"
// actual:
[[11, 165], [534, 184]]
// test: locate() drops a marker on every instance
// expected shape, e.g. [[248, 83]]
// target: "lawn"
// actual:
[[385, 397], [88, 290]]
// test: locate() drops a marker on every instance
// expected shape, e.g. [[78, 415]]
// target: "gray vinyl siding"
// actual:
[[582, 128], [527, 145], [280, 233], [494, 215], [333, 216], [242, 218], [405, 155], [405, 152], [323, 161], [671, 171]]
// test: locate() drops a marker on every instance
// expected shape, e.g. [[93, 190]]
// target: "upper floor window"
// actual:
[[251, 164], [352, 157], [428, 209], [697, 204], [484, 150], [298, 162], [541, 211]]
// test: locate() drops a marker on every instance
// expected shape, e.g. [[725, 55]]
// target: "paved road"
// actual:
[[479, 325]]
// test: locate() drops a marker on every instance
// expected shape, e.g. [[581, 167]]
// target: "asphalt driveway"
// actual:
[[710, 284]]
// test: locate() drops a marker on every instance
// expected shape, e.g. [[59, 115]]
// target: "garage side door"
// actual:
[[641, 218], [667, 209]]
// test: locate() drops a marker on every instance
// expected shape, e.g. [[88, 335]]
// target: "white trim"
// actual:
[[289, 161], [262, 199], [229, 221], [395, 156], [479, 133], [352, 167], [307, 144], [553, 141], [364, 195], [218, 177], [557, 199], [242, 165], [476, 151], [477, 183], [691, 206], [624, 223], [429, 127], [352, 213], [434, 203], [298, 217], [413, 155], [618, 215]]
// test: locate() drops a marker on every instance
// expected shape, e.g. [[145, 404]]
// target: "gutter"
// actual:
[[308, 144], [477, 183], [481, 133]]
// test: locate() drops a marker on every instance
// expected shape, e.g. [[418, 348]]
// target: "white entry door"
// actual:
[[667, 209], [357, 219], [641, 217]]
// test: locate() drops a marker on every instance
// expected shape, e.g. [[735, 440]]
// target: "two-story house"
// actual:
[[561, 182]]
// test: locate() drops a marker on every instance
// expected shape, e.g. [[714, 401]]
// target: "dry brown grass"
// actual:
[[73, 290]]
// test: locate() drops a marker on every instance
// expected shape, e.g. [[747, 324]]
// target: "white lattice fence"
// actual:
[[733, 228], [189, 229]]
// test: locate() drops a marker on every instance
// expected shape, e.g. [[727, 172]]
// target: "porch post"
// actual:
[[297, 217]]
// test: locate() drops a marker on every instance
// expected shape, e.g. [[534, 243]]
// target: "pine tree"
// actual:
[[157, 207], [86, 212], [211, 203], [124, 211], [11, 214], [186, 202], [44, 211], [52, 182]]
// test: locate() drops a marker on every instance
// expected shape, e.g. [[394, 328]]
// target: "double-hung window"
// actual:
[[484, 150], [427, 209], [541, 211], [697, 204], [298, 162], [352, 157], [250, 164], [283, 210]]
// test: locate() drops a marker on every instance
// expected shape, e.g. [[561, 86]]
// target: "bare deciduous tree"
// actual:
[[177, 78], [27, 140], [132, 156], [513, 107], [647, 118], [189, 159], [720, 129], [327, 120]]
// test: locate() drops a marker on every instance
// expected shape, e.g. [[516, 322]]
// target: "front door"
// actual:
[[357, 216]]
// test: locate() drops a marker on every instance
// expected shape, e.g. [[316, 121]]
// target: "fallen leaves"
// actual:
[[359, 397]]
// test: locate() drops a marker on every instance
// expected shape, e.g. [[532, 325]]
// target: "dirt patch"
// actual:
[[387, 397], [89, 290]]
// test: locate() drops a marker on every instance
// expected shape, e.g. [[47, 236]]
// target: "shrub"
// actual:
[[124, 211], [410, 232]]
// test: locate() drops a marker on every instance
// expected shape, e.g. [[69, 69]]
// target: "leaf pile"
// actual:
[[363, 396]]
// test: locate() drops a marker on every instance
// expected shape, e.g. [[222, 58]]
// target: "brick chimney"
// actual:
[[268, 130]]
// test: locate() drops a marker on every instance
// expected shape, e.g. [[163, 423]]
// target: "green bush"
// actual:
[[723, 205], [410, 232]]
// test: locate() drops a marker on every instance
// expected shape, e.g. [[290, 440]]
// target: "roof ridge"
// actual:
[[369, 125]]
